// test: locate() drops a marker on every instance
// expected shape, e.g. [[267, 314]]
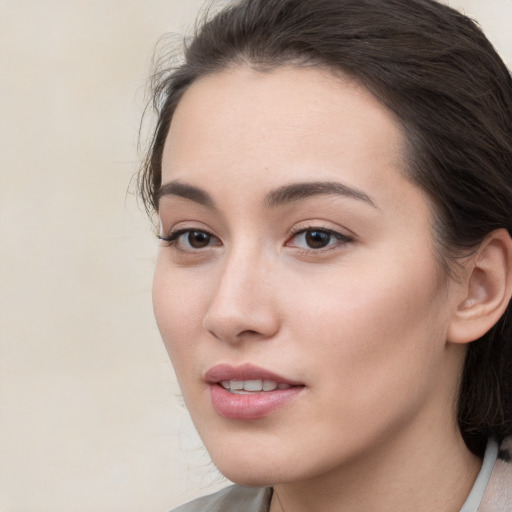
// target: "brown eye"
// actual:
[[191, 239], [199, 239], [317, 239]]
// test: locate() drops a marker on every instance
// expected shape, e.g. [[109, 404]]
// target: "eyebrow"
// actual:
[[299, 191], [176, 188], [282, 195]]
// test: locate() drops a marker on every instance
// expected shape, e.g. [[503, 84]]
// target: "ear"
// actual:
[[486, 289]]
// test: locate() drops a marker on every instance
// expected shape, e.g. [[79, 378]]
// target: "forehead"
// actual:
[[287, 124]]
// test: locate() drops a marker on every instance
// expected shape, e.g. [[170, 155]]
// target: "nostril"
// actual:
[[235, 315], [249, 332]]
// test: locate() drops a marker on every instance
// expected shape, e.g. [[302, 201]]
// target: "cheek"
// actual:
[[373, 326], [374, 345], [177, 306]]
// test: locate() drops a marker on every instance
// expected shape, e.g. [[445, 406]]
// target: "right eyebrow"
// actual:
[[176, 188], [300, 191]]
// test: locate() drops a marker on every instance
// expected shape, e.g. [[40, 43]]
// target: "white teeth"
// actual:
[[237, 385], [252, 386], [269, 385]]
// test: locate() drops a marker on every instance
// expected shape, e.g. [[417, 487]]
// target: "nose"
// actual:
[[243, 306]]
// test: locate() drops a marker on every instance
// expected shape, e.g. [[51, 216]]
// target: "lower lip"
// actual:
[[250, 406]]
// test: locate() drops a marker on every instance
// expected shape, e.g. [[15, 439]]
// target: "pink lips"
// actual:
[[252, 405]]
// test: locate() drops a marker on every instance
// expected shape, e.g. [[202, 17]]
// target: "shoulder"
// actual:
[[231, 499], [498, 495]]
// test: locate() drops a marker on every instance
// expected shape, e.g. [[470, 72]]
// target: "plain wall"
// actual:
[[90, 414]]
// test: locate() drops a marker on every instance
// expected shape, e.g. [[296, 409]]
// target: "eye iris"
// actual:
[[317, 239], [198, 239]]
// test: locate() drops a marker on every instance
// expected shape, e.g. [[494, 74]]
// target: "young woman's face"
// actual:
[[297, 294]]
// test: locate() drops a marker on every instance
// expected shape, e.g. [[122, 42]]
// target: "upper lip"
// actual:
[[225, 372]]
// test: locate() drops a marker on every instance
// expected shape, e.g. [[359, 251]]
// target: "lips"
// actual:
[[248, 392]]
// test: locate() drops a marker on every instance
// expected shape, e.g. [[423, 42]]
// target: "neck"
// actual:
[[397, 476]]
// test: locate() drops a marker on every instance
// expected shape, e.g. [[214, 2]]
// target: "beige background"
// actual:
[[90, 415]]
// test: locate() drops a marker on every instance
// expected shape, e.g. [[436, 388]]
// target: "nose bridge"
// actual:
[[242, 304], [240, 270]]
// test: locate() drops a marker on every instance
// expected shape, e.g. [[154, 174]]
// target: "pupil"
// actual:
[[198, 239], [317, 239]]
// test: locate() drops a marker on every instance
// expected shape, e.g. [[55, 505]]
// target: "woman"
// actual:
[[333, 181]]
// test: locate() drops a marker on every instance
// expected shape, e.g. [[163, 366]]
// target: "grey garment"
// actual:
[[231, 499], [491, 492], [498, 494], [482, 480]]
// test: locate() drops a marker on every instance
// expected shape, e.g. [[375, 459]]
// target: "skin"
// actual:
[[363, 323]]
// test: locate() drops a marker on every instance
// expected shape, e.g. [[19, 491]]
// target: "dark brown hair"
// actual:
[[436, 70]]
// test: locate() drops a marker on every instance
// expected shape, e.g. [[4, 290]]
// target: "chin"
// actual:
[[263, 468], [249, 480], [252, 470], [248, 473]]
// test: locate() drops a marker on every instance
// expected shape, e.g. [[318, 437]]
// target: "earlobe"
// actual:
[[487, 289]]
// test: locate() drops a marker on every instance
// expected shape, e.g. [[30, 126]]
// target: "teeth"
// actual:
[[237, 385], [252, 386], [269, 385]]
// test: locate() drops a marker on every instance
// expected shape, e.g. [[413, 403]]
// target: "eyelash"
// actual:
[[173, 239]]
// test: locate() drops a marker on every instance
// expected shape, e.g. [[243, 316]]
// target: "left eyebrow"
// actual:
[[186, 191], [300, 191]]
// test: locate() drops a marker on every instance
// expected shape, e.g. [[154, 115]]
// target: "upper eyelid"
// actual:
[[184, 226], [323, 229], [300, 227]]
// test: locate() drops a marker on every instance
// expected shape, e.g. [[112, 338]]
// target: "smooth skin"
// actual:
[[340, 291]]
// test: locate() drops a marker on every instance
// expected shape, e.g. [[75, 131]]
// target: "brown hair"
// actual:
[[437, 71]]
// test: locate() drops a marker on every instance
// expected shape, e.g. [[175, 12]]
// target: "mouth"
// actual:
[[248, 379], [246, 387], [248, 392]]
